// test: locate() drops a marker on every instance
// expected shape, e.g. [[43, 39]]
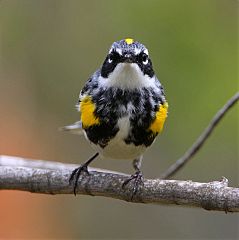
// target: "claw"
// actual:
[[75, 175], [138, 179]]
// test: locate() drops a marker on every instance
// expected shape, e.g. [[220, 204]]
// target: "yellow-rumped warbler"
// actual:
[[122, 106]]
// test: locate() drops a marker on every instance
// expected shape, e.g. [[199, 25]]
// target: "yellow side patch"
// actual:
[[160, 117], [87, 108], [129, 40]]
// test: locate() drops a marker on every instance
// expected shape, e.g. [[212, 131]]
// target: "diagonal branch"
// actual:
[[201, 140], [211, 196]]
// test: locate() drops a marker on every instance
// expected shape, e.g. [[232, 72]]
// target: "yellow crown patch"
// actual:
[[129, 40]]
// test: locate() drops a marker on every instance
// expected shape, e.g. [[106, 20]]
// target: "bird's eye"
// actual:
[[113, 57], [145, 59], [110, 60]]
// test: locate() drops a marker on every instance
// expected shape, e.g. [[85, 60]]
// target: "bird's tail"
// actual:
[[75, 128]]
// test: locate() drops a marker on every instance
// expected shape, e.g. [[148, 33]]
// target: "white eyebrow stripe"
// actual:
[[137, 51], [146, 51], [119, 51]]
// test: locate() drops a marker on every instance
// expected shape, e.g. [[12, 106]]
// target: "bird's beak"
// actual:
[[128, 58]]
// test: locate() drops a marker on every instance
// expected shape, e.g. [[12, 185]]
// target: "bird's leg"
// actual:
[[77, 172], [137, 177]]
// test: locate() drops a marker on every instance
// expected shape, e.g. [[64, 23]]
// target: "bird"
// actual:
[[122, 109]]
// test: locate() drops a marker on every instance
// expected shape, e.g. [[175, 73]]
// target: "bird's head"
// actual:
[[127, 55]]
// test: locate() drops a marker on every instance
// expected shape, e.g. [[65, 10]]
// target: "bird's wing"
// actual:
[[87, 116], [161, 110]]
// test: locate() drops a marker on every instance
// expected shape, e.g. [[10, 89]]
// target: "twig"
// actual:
[[210, 196], [201, 140]]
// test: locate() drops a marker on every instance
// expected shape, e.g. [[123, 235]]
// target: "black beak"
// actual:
[[128, 58]]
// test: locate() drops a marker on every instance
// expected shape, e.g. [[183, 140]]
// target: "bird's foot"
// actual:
[[138, 180], [75, 175]]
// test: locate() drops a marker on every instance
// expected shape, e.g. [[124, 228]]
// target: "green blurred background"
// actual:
[[50, 48]]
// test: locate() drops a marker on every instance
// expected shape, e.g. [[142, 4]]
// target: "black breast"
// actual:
[[112, 104]]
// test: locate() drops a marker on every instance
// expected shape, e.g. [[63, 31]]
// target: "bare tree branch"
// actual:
[[201, 140], [43, 164], [211, 196], [48, 177]]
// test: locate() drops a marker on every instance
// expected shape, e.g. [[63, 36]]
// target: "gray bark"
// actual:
[[53, 178]]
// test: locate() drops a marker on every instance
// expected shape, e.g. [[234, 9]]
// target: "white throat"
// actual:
[[127, 76]]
